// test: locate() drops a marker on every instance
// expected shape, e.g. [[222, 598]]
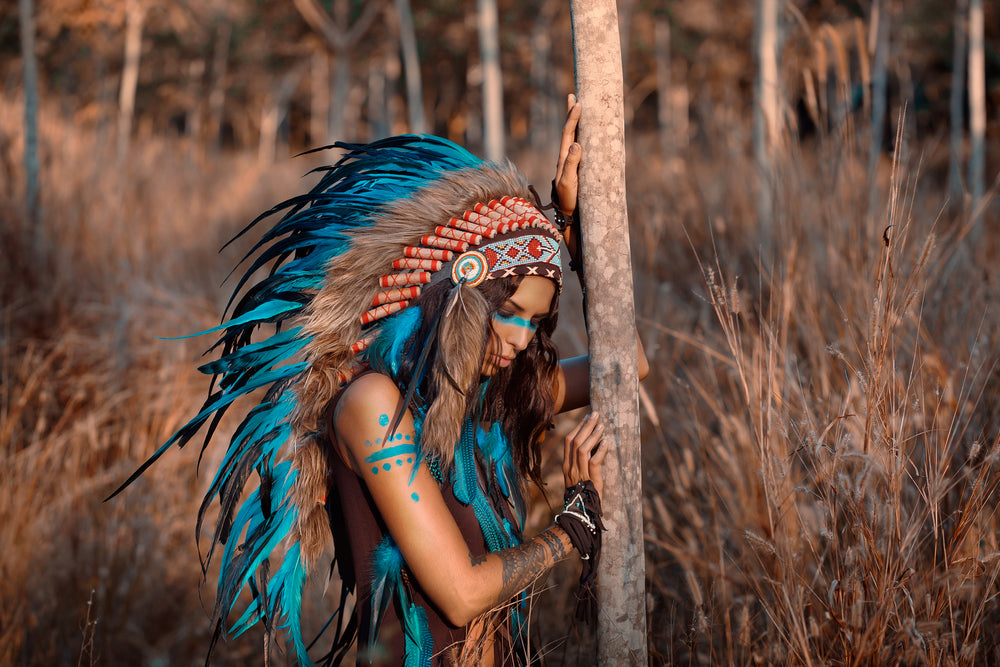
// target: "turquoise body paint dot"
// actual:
[[378, 441], [399, 462], [387, 466], [383, 420], [415, 497], [409, 459], [374, 470], [407, 437]]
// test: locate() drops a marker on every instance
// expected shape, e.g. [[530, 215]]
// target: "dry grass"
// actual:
[[821, 450], [823, 491]]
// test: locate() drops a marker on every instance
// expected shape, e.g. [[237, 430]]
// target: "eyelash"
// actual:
[[536, 321]]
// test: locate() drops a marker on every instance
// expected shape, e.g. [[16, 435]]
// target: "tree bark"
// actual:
[[319, 110], [544, 117], [766, 131], [977, 111], [664, 97], [611, 314], [378, 107], [29, 58], [135, 16], [411, 68], [879, 47], [340, 35], [217, 96], [489, 46], [957, 117]]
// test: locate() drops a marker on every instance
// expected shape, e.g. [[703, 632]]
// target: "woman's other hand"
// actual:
[[569, 158], [583, 456]]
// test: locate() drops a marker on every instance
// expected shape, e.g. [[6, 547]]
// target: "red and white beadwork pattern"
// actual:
[[522, 254], [530, 254]]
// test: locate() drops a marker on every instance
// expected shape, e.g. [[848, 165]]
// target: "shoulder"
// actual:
[[371, 389], [369, 402]]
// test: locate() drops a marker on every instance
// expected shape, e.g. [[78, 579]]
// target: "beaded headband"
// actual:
[[506, 237]]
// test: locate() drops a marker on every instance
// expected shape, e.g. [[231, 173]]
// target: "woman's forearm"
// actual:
[[497, 577], [528, 561]]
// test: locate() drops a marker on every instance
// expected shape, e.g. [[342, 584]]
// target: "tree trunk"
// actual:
[[193, 125], [217, 96], [378, 107], [135, 16], [766, 132], [611, 314], [544, 119], [319, 111], [273, 112], [338, 100], [879, 47], [977, 112], [489, 46], [625, 10], [957, 117], [411, 68], [664, 97], [26, 15], [340, 37]]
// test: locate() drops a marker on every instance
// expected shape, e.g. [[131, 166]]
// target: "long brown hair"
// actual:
[[519, 397]]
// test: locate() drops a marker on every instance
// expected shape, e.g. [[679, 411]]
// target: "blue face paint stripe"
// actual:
[[390, 452], [516, 321]]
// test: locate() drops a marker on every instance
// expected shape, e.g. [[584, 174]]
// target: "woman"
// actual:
[[413, 391]]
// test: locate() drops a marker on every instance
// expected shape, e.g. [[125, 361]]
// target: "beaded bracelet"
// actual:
[[581, 519]]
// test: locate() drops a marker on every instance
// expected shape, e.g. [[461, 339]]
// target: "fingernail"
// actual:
[[574, 149]]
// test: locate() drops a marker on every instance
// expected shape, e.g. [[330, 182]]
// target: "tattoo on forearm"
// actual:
[[526, 562]]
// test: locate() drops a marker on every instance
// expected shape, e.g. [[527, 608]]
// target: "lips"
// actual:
[[504, 362]]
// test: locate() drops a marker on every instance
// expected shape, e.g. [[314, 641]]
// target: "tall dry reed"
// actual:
[[823, 490]]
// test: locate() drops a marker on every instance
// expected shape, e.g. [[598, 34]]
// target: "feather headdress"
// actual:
[[342, 262]]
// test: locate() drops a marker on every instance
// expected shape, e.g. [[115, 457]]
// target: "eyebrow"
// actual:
[[524, 310]]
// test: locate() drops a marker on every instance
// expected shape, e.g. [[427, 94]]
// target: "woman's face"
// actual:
[[515, 322]]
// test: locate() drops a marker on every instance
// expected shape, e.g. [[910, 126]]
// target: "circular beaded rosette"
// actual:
[[471, 266]]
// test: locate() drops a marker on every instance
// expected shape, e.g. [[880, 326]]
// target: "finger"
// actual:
[[570, 102], [568, 446], [568, 134], [568, 182], [585, 450], [586, 427]]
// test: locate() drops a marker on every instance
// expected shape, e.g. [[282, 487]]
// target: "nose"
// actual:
[[518, 337]]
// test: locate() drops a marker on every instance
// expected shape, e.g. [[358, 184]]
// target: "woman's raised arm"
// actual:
[[410, 502]]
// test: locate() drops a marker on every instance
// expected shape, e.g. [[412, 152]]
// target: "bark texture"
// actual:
[[611, 315], [489, 46], [977, 110], [26, 13]]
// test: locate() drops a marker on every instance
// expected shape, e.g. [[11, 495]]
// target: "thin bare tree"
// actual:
[[340, 36], [489, 47], [411, 67], [956, 116], [878, 47], [135, 17], [611, 315], [217, 91], [766, 130], [29, 57], [977, 110]]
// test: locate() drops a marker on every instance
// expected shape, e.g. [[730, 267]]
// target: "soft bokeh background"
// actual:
[[820, 307]]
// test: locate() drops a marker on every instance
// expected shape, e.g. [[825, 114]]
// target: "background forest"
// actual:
[[817, 272]]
